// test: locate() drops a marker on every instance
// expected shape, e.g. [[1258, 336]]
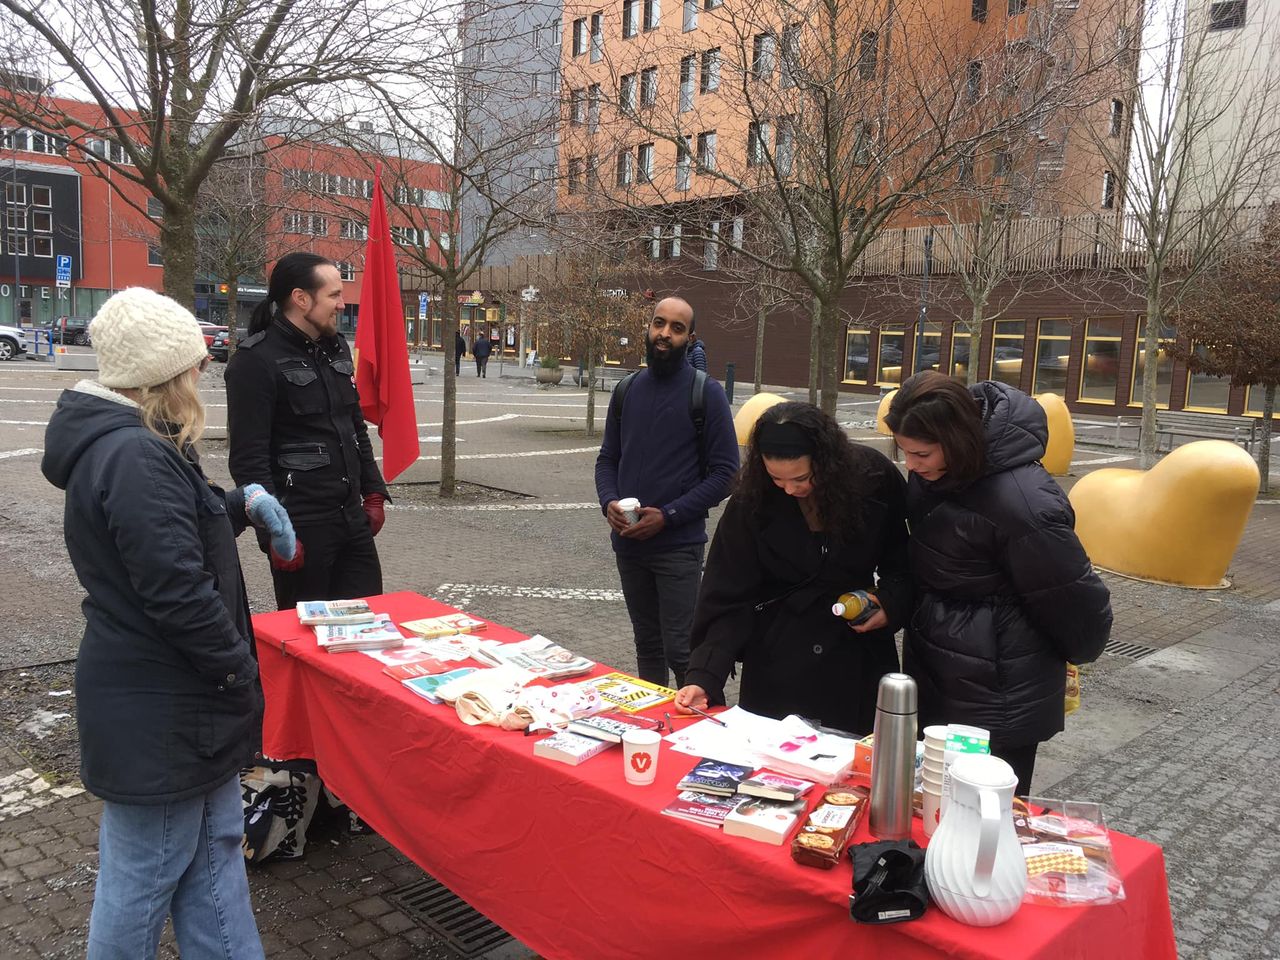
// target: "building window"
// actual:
[[625, 170], [630, 18], [710, 77], [346, 271], [15, 218], [1007, 344], [784, 151], [763, 50], [1053, 352], [574, 175], [711, 249], [307, 224], [593, 108], [41, 196], [690, 21], [706, 151], [735, 233], [580, 36], [978, 11], [973, 81], [353, 230], [961, 352], [757, 143], [1227, 16], [687, 67], [1016, 7], [627, 93], [1165, 342], [577, 107], [1254, 397], [1205, 391], [928, 346], [16, 244], [857, 355], [711, 4], [889, 356], [155, 209], [684, 164], [648, 86], [652, 14], [1117, 117], [868, 54], [864, 142], [1001, 164], [42, 221], [597, 37], [153, 256], [655, 243], [1100, 373], [673, 242], [413, 237], [1108, 190], [644, 163], [15, 193]]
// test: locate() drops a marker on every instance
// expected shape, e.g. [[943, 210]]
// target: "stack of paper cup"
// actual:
[[961, 739], [931, 773]]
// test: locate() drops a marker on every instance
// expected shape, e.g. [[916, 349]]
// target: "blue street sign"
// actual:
[[422, 306], [64, 270]]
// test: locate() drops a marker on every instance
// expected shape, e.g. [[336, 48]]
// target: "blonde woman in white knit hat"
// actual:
[[168, 701]]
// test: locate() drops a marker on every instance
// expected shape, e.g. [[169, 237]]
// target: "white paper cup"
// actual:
[[937, 734], [640, 755], [630, 508], [932, 812], [930, 781], [935, 767]]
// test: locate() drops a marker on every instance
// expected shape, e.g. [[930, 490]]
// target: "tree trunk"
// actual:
[[590, 374], [449, 413], [233, 307], [762, 315], [1151, 344], [1264, 455], [975, 343], [178, 251], [815, 348], [832, 350]]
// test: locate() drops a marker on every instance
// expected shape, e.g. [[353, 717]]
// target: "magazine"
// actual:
[[380, 633], [538, 655], [312, 612], [630, 693], [427, 686], [611, 726], [415, 649], [448, 625]]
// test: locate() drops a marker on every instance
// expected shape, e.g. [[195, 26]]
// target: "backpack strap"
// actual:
[[698, 413], [616, 400]]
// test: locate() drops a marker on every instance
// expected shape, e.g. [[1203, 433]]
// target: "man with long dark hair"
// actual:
[[296, 428], [654, 451]]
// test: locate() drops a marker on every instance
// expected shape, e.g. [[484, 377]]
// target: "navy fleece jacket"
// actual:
[[654, 457]]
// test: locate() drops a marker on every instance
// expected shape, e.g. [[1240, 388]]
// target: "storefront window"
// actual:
[[1007, 344], [928, 347], [1255, 396], [857, 355], [1100, 373], [1164, 365], [1205, 392], [889, 357], [960, 341], [1053, 352]]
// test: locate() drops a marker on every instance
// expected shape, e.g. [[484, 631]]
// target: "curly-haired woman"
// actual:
[[813, 516]]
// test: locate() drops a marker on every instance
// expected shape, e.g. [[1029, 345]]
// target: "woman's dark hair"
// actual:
[[934, 408], [293, 271], [839, 482]]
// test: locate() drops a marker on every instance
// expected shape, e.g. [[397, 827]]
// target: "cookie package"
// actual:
[[829, 826]]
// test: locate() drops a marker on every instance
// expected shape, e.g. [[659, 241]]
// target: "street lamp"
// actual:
[[924, 298]]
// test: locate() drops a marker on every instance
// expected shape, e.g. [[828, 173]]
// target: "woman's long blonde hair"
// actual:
[[173, 410]]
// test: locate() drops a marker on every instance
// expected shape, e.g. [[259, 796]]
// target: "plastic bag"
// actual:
[[1072, 701], [1068, 852]]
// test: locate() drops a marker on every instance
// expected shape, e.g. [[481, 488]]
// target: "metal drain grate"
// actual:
[[1132, 651], [438, 908]]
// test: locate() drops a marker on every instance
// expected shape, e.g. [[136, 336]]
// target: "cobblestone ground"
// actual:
[[1179, 745]]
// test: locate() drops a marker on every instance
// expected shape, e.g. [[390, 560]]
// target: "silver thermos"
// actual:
[[893, 758]]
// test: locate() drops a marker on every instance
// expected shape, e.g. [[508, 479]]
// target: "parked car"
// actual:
[[218, 348], [74, 330], [13, 343], [211, 330]]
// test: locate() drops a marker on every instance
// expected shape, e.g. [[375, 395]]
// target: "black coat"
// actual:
[[167, 697], [482, 348], [797, 657], [295, 425], [1005, 594]]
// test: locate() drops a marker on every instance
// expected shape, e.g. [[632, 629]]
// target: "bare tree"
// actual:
[[1204, 152], [169, 86]]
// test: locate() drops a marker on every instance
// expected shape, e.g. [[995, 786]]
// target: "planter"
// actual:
[[549, 374]]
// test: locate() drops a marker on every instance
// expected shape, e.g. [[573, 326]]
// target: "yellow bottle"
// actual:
[[854, 606]]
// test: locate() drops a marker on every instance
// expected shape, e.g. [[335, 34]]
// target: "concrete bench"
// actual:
[[1205, 426]]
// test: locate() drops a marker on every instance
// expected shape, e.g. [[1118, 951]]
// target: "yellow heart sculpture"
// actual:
[[882, 410], [1062, 434], [1179, 522], [746, 419]]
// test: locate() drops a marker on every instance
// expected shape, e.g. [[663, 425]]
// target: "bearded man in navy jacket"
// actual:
[[651, 451]]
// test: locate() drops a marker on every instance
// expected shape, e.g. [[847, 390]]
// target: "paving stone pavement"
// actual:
[[1180, 746]]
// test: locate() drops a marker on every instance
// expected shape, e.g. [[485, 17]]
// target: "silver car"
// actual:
[[13, 343]]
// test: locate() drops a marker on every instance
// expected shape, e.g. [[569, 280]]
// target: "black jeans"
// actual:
[[1023, 760], [661, 590], [340, 562], [482, 364]]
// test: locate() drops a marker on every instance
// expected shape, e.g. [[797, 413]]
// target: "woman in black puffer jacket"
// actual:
[[1005, 595]]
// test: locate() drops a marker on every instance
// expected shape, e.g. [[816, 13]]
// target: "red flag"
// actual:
[[382, 354]]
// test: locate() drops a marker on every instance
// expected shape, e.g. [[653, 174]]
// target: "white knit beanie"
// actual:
[[143, 338]]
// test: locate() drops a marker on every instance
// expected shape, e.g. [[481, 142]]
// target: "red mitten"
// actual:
[[375, 511], [280, 563]]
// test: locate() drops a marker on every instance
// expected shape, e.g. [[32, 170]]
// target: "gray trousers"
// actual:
[[661, 590]]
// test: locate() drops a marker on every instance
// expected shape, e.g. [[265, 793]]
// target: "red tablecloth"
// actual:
[[579, 864]]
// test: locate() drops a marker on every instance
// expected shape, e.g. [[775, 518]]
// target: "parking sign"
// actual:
[[422, 306], [64, 271]]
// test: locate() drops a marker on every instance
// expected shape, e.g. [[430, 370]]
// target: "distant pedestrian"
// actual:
[[168, 702], [481, 350], [459, 351], [697, 355], [671, 445]]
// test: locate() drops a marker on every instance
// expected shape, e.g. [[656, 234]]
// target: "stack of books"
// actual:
[[760, 805], [343, 625]]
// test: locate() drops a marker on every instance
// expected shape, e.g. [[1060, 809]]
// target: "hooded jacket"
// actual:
[[1005, 594], [167, 699]]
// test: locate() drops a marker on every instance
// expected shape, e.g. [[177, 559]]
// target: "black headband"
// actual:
[[784, 441]]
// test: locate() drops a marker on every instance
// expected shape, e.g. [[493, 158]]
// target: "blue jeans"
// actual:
[[661, 590], [183, 858]]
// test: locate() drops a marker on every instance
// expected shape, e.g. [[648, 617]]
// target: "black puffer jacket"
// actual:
[[167, 697], [1005, 594]]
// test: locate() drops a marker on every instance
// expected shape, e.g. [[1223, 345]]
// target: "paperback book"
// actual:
[[570, 748], [769, 821], [538, 655], [313, 612], [774, 786], [427, 686], [630, 694], [706, 809], [415, 668], [449, 625], [714, 776], [378, 634], [610, 726]]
